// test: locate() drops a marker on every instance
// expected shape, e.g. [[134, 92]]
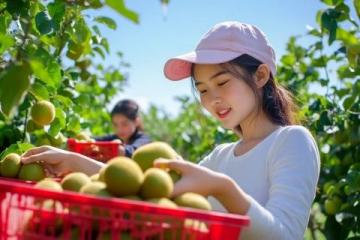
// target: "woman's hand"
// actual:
[[194, 178], [58, 162], [54, 160], [198, 179]]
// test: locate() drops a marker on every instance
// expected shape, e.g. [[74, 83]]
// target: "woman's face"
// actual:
[[227, 98], [124, 128]]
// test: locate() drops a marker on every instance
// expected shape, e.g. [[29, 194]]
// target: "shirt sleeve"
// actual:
[[294, 167], [130, 148]]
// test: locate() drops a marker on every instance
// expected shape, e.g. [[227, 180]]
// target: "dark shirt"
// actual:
[[135, 141]]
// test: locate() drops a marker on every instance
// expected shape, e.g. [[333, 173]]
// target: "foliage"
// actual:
[[48, 51]]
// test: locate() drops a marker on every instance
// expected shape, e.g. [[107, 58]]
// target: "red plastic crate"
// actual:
[[101, 151], [80, 216]]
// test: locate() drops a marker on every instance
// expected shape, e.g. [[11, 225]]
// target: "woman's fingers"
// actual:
[[180, 187], [39, 157], [35, 150], [179, 166]]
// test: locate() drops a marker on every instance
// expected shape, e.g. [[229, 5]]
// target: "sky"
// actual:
[[159, 36]]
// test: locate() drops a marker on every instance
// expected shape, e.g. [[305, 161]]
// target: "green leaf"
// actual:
[[18, 8], [104, 42], [109, 22], [332, 2], [61, 116], [288, 60], [328, 2], [39, 91], [82, 33], [46, 68], [5, 21], [55, 128], [357, 7], [96, 29], [6, 41], [14, 81], [18, 148], [119, 6], [347, 37], [95, 3], [67, 102], [99, 51], [353, 55], [74, 123], [328, 21], [43, 23], [57, 12]]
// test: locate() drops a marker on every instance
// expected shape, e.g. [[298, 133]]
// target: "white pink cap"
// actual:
[[224, 42]]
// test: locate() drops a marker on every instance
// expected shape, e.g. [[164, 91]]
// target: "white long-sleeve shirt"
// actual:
[[279, 175]]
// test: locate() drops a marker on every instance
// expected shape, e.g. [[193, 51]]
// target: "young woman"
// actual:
[[127, 127], [271, 172]]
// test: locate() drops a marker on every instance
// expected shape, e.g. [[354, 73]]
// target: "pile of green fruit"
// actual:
[[11, 167], [132, 179]]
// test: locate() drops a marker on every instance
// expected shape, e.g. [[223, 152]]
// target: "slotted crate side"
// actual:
[[29, 213]]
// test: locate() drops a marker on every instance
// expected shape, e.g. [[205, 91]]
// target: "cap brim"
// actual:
[[179, 67]]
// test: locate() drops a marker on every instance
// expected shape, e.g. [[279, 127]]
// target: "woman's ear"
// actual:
[[262, 75]]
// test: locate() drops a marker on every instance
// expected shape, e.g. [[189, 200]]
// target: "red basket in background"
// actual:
[[101, 151], [30, 213]]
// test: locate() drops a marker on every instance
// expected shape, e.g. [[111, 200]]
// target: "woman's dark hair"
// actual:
[[129, 109], [276, 102]]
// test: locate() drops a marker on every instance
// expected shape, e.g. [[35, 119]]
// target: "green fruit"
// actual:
[[50, 184], [327, 185], [94, 177], [333, 205], [42, 140], [48, 218], [102, 174], [197, 225], [164, 202], [96, 188], [10, 165], [157, 184], [146, 154], [83, 136], [192, 200], [43, 112], [58, 140], [32, 126], [75, 50], [108, 236], [123, 177], [72, 233], [174, 176], [32, 172], [132, 197], [74, 181], [347, 190]]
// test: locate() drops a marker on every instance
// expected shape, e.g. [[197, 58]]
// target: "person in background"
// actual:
[[127, 126]]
